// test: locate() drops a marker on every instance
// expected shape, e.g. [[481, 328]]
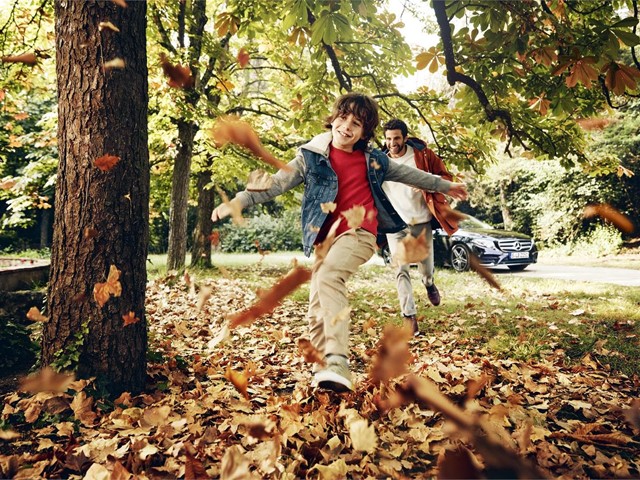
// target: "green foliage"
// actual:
[[17, 350], [265, 232], [68, 357]]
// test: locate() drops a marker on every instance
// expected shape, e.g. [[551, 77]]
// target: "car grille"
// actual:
[[514, 245]]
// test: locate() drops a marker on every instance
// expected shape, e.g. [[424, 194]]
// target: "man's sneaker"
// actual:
[[335, 376], [434, 295], [410, 321]]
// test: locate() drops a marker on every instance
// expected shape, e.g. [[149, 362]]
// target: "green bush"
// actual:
[[267, 232], [17, 350], [602, 240]]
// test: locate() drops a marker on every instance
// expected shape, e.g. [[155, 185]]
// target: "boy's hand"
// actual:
[[220, 212], [458, 191]]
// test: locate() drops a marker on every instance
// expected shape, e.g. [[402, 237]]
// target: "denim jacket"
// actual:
[[312, 167]]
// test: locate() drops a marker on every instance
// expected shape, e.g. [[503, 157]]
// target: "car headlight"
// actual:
[[483, 242]]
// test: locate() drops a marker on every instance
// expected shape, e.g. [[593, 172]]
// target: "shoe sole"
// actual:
[[328, 380]]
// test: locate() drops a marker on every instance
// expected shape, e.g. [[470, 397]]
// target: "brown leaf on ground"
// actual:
[[231, 130], [475, 386], [35, 316], [632, 415], [82, 407], [483, 272], [194, 468], [458, 463], [610, 214], [238, 379], [179, 76], [412, 249], [310, 353], [392, 355], [272, 298], [354, 216], [106, 162], [102, 291], [259, 181], [26, 58], [119, 472]]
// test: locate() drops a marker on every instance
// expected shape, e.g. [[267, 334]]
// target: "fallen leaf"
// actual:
[[259, 181], [108, 26], [106, 162], [354, 216], [9, 435], [179, 76], [363, 436], [26, 58], [35, 316], [231, 130], [130, 318], [102, 291], [82, 409], [113, 64], [272, 298], [610, 214], [483, 272]]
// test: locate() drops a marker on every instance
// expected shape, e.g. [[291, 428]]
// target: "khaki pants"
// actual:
[[328, 331], [403, 273]]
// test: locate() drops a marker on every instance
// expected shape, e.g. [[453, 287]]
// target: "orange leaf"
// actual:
[[179, 76], [26, 58], [392, 355], [120, 3], [610, 214], [243, 58], [582, 72], [272, 298], [102, 291], [230, 129], [483, 272], [214, 238], [310, 353], [106, 162], [130, 318], [90, 232], [239, 380], [35, 316]]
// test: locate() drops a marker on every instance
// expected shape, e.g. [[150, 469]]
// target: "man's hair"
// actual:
[[396, 124], [364, 108]]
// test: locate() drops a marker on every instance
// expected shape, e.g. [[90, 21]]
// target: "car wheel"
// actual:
[[517, 268], [460, 257]]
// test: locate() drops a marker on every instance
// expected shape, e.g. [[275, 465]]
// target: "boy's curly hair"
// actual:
[[364, 108]]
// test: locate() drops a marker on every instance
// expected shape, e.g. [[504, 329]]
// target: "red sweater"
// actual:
[[353, 190]]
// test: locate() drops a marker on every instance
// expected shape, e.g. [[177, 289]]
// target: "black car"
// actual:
[[493, 247]]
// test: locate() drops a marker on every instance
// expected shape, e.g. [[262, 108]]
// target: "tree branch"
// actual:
[[165, 40], [343, 78]]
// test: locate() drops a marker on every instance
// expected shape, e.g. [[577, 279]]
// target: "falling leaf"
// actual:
[[120, 3], [259, 181], [328, 207], [106, 162], [179, 76], [610, 214], [130, 318], [21, 116], [102, 291], [483, 272], [392, 355], [272, 298], [375, 165], [452, 214], [343, 315], [475, 386], [214, 238], [108, 26], [458, 463], [354, 216], [239, 380], [26, 58], [47, 380], [310, 353], [243, 57], [235, 210], [412, 249], [8, 183], [203, 295], [113, 64], [322, 249], [35, 316], [231, 130], [90, 232], [234, 465], [222, 335]]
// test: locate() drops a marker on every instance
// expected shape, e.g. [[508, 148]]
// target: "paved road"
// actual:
[[618, 276]]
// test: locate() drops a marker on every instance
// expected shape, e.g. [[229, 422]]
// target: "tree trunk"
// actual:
[[201, 251], [507, 221], [180, 196], [45, 224], [102, 217]]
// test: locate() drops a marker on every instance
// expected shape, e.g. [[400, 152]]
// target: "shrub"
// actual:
[[267, 232], [17, 350]]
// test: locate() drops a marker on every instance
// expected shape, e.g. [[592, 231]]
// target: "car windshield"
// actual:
[[473, 222]]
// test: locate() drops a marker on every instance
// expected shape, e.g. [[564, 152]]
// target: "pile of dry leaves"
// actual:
[[236, 403]]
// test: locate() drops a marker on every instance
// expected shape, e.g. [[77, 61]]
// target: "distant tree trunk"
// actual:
[[102, 217], [201, 251], [180, 196], [45, 224], [507, 221]]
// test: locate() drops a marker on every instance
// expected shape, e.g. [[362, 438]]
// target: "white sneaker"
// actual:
[[335, 376]]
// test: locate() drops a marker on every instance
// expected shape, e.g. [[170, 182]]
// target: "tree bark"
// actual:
[[180, 196], [201, 251], [507, 221], [102, 217], [45, 224]]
